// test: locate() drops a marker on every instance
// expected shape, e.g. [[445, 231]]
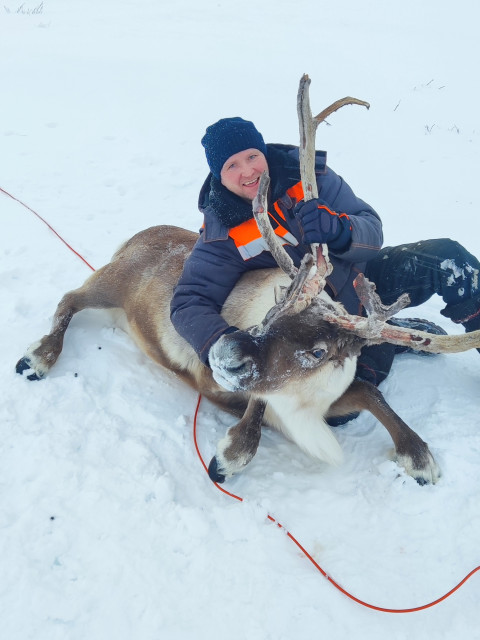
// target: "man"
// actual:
[[230, 243]]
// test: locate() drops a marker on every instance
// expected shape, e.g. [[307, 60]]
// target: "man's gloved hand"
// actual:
[[319, 224], [231, 329]]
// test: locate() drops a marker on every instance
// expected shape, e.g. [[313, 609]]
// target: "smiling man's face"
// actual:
[[241, 173]]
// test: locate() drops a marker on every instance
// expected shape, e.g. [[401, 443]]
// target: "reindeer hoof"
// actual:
[[25, 364], [214, 472], [421, 481], [424, 472]]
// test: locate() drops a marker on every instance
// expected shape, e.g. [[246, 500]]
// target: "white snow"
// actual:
[[109, 526]]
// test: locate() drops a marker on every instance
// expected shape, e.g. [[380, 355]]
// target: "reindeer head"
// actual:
[[292, 347]]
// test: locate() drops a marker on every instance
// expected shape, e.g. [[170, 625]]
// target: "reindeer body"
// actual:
[[290, 375], [140, 280]]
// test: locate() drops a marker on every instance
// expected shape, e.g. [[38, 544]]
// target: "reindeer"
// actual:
[[290, 366]]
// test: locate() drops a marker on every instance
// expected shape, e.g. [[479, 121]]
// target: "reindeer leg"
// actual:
[[411, 452], [240, 443], [42, 355]]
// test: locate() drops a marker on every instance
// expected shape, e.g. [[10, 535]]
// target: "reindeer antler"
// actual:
[[308, 128], [308, 281], [274, 243], [374, 328]]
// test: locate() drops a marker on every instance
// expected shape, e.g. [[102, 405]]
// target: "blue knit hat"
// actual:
[[227, 137]]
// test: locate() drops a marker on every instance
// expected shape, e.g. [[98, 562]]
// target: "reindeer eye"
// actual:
[[318, 353]]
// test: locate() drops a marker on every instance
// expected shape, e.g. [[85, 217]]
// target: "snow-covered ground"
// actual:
[[109, 527]]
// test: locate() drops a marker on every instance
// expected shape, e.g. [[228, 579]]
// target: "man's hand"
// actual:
[[319, 224]]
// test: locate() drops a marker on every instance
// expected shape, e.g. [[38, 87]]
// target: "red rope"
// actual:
[[313, 561], [269, 517], [50, 227]]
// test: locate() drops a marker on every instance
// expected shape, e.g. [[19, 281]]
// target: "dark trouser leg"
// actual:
[[423, 268], [375, 362], [373, 365]]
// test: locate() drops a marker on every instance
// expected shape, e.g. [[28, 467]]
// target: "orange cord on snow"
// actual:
[[269, 517], [50, 227], [313, 561]]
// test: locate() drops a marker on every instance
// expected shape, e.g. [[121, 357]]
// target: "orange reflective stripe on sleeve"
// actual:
[[249, 241], [245, 232], [296, 191]]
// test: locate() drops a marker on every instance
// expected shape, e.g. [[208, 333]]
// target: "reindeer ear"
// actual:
[[280, 292]]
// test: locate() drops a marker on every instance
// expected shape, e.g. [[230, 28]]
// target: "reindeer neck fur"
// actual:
[[298, 409]]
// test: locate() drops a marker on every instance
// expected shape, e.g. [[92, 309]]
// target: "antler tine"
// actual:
[[375, 329], [338, 104], [297, 297], [260, 214], [374, 307], [307, 128]]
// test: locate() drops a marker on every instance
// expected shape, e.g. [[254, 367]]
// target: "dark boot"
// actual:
[[466, 313], [417, 324]]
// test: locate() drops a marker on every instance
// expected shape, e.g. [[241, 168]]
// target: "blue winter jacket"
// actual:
[[215, 264]]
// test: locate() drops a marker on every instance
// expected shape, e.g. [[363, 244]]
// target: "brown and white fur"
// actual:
[[290, 376]]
